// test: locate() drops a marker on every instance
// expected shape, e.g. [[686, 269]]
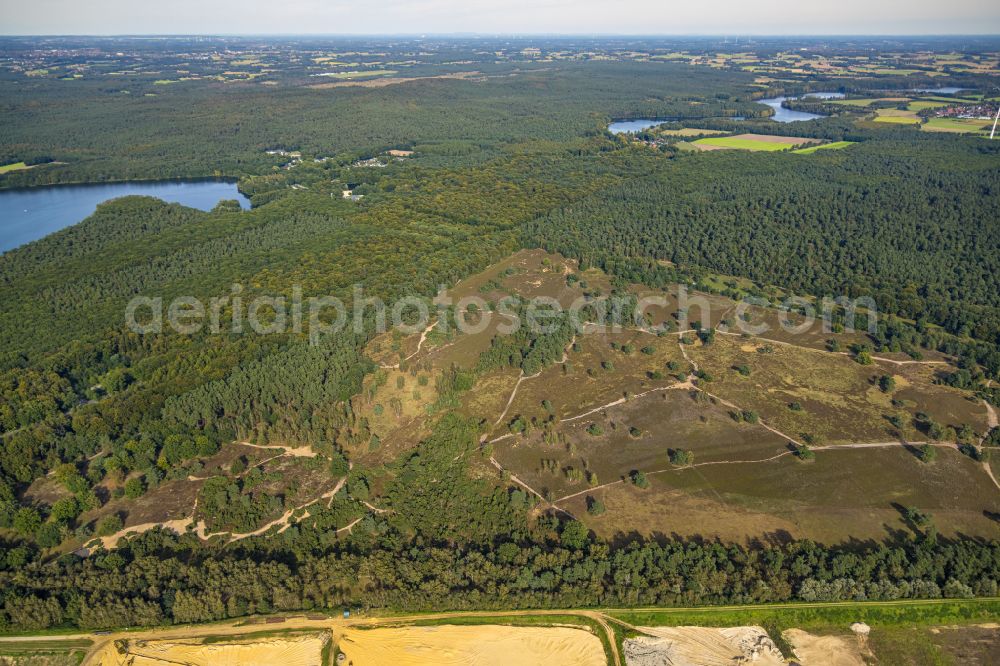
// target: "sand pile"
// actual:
[[813, 650], [287, 651], [482, 645], [701, 646]]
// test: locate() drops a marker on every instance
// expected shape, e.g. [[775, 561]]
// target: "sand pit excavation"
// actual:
[[482, 645], [831, 650], [303, 650], [701, 646]]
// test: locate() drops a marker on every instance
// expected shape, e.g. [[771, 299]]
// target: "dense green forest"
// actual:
[[190, 130], [909, 221], [517, 157]]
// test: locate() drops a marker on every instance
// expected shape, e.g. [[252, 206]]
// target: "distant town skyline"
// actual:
[[526, 17]]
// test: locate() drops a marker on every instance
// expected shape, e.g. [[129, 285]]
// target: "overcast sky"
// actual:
[[717, 17]]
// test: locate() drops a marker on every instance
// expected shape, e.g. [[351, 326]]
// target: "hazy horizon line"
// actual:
[[473, 34]]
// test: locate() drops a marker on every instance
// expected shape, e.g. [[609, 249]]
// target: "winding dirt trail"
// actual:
[[991, 423], [180, 525], [513, 477], [522, 378], [992, 420], [420, 344], [285, 519], [513, 394], [296, 452], [883, 359], [760, 422], [623, 400], [828, 447]]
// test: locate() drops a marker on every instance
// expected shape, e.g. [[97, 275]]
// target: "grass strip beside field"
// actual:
[[54, 645], [821, 615], [52, 651]]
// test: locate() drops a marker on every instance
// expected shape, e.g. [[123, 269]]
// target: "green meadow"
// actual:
[[16, 166], [741, 144], [959, 125]]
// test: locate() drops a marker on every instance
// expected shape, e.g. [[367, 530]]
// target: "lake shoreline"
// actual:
[[28, 214], [232, 180]]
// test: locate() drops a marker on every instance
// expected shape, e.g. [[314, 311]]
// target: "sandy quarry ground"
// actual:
[[287, 651], [812, 650], [701, 646], [480, 645]]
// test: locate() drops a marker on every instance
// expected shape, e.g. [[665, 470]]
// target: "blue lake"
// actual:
[[783, 115], [639, 124], [27, 214], [633, 126]]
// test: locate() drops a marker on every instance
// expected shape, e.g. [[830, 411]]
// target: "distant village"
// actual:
[[983, 110]]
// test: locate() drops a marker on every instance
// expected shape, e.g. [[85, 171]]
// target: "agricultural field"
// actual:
[[958, 125], [924, 104], [752, 142], [689, 131], [896, 116]]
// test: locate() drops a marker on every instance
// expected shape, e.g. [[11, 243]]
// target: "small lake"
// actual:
[[783, 115], [639, 124], [29, 213], [633, 126]]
